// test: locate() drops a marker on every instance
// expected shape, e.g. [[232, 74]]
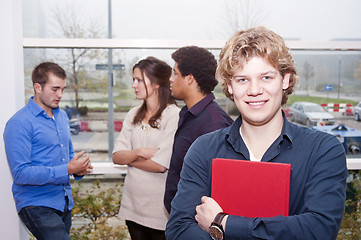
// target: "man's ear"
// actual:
[[229, 88], [286, 81], [190, 79], [37, 87]]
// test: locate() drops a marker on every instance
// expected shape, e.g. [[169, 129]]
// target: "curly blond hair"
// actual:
[[256, 42]]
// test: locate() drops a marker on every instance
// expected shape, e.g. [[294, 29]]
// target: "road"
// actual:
[[350, 122], [95, 143]]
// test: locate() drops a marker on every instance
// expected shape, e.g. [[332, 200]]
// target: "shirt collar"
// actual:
[[37, 110], [286, 129], [197, 108], [234, 138]]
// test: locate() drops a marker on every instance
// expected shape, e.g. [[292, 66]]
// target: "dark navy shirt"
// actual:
[[204, 117], [317, 188]]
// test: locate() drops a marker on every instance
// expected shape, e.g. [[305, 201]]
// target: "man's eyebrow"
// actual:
[[239, 75], [261, 74], [269, 72], [57, 87]]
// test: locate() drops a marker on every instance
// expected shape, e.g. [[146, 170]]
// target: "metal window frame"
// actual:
[[110, 168], [174, 44]]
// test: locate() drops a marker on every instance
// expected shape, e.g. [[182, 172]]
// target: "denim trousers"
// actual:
[[47, 223]]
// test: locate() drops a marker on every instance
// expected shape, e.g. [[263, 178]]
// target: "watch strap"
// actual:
[[218, 219], [216, 230]]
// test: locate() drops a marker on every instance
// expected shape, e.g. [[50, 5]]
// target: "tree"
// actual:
[[97, 205], [242, 14], [357, 72], [307, 72], [351, 224], [70, 25]]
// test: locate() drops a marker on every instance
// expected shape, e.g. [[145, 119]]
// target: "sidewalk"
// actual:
[[95, 142]]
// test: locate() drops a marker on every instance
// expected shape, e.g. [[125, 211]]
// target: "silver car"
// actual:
[[357, 112], [310, 114]]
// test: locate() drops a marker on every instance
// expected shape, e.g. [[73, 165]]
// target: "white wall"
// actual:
[[11, 100]]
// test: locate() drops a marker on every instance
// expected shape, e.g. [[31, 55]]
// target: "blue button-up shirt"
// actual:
[[317, 188], [38, 149], [204, 117]]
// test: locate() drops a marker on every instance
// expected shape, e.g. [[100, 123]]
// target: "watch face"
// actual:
[[216, 233]]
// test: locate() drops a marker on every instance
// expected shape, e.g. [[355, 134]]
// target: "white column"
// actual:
[[11, 100]]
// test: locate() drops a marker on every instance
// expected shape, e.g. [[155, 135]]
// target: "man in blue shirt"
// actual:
[[40, 154], [192, 81], [258, 74]]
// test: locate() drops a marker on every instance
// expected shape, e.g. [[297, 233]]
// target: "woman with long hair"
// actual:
[[145, 145]]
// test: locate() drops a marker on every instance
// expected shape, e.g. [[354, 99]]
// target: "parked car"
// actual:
[[74, 126], [357, 112], [310, 114]]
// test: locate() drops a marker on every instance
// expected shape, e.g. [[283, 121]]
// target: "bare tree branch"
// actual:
[[242, 14], [308, 73], [69, 24]]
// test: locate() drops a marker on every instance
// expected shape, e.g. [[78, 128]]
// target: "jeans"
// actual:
[[47, 223]]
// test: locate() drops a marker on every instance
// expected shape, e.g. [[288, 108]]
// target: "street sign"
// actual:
[[105, 66], [328, 87]]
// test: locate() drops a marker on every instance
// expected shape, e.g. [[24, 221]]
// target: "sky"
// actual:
[[306, 20]]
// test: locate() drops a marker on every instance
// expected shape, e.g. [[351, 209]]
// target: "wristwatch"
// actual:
[[216, 229]]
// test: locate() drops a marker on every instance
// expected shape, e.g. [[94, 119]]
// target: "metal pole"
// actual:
[[339, 78], [110, 88], [327, 99]]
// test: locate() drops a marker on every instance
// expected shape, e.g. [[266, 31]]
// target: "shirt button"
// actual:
[[61, 144]]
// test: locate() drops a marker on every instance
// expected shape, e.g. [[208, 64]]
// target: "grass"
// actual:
[[319, 100]]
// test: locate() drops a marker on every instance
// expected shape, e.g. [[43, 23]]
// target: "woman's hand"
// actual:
[[126, 157], [146, 153]]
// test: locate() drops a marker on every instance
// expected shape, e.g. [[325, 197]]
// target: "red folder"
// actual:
[[251, 189]]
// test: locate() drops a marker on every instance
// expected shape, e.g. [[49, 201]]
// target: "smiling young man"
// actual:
[[258, 74], [40, 154], [192, 81]]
